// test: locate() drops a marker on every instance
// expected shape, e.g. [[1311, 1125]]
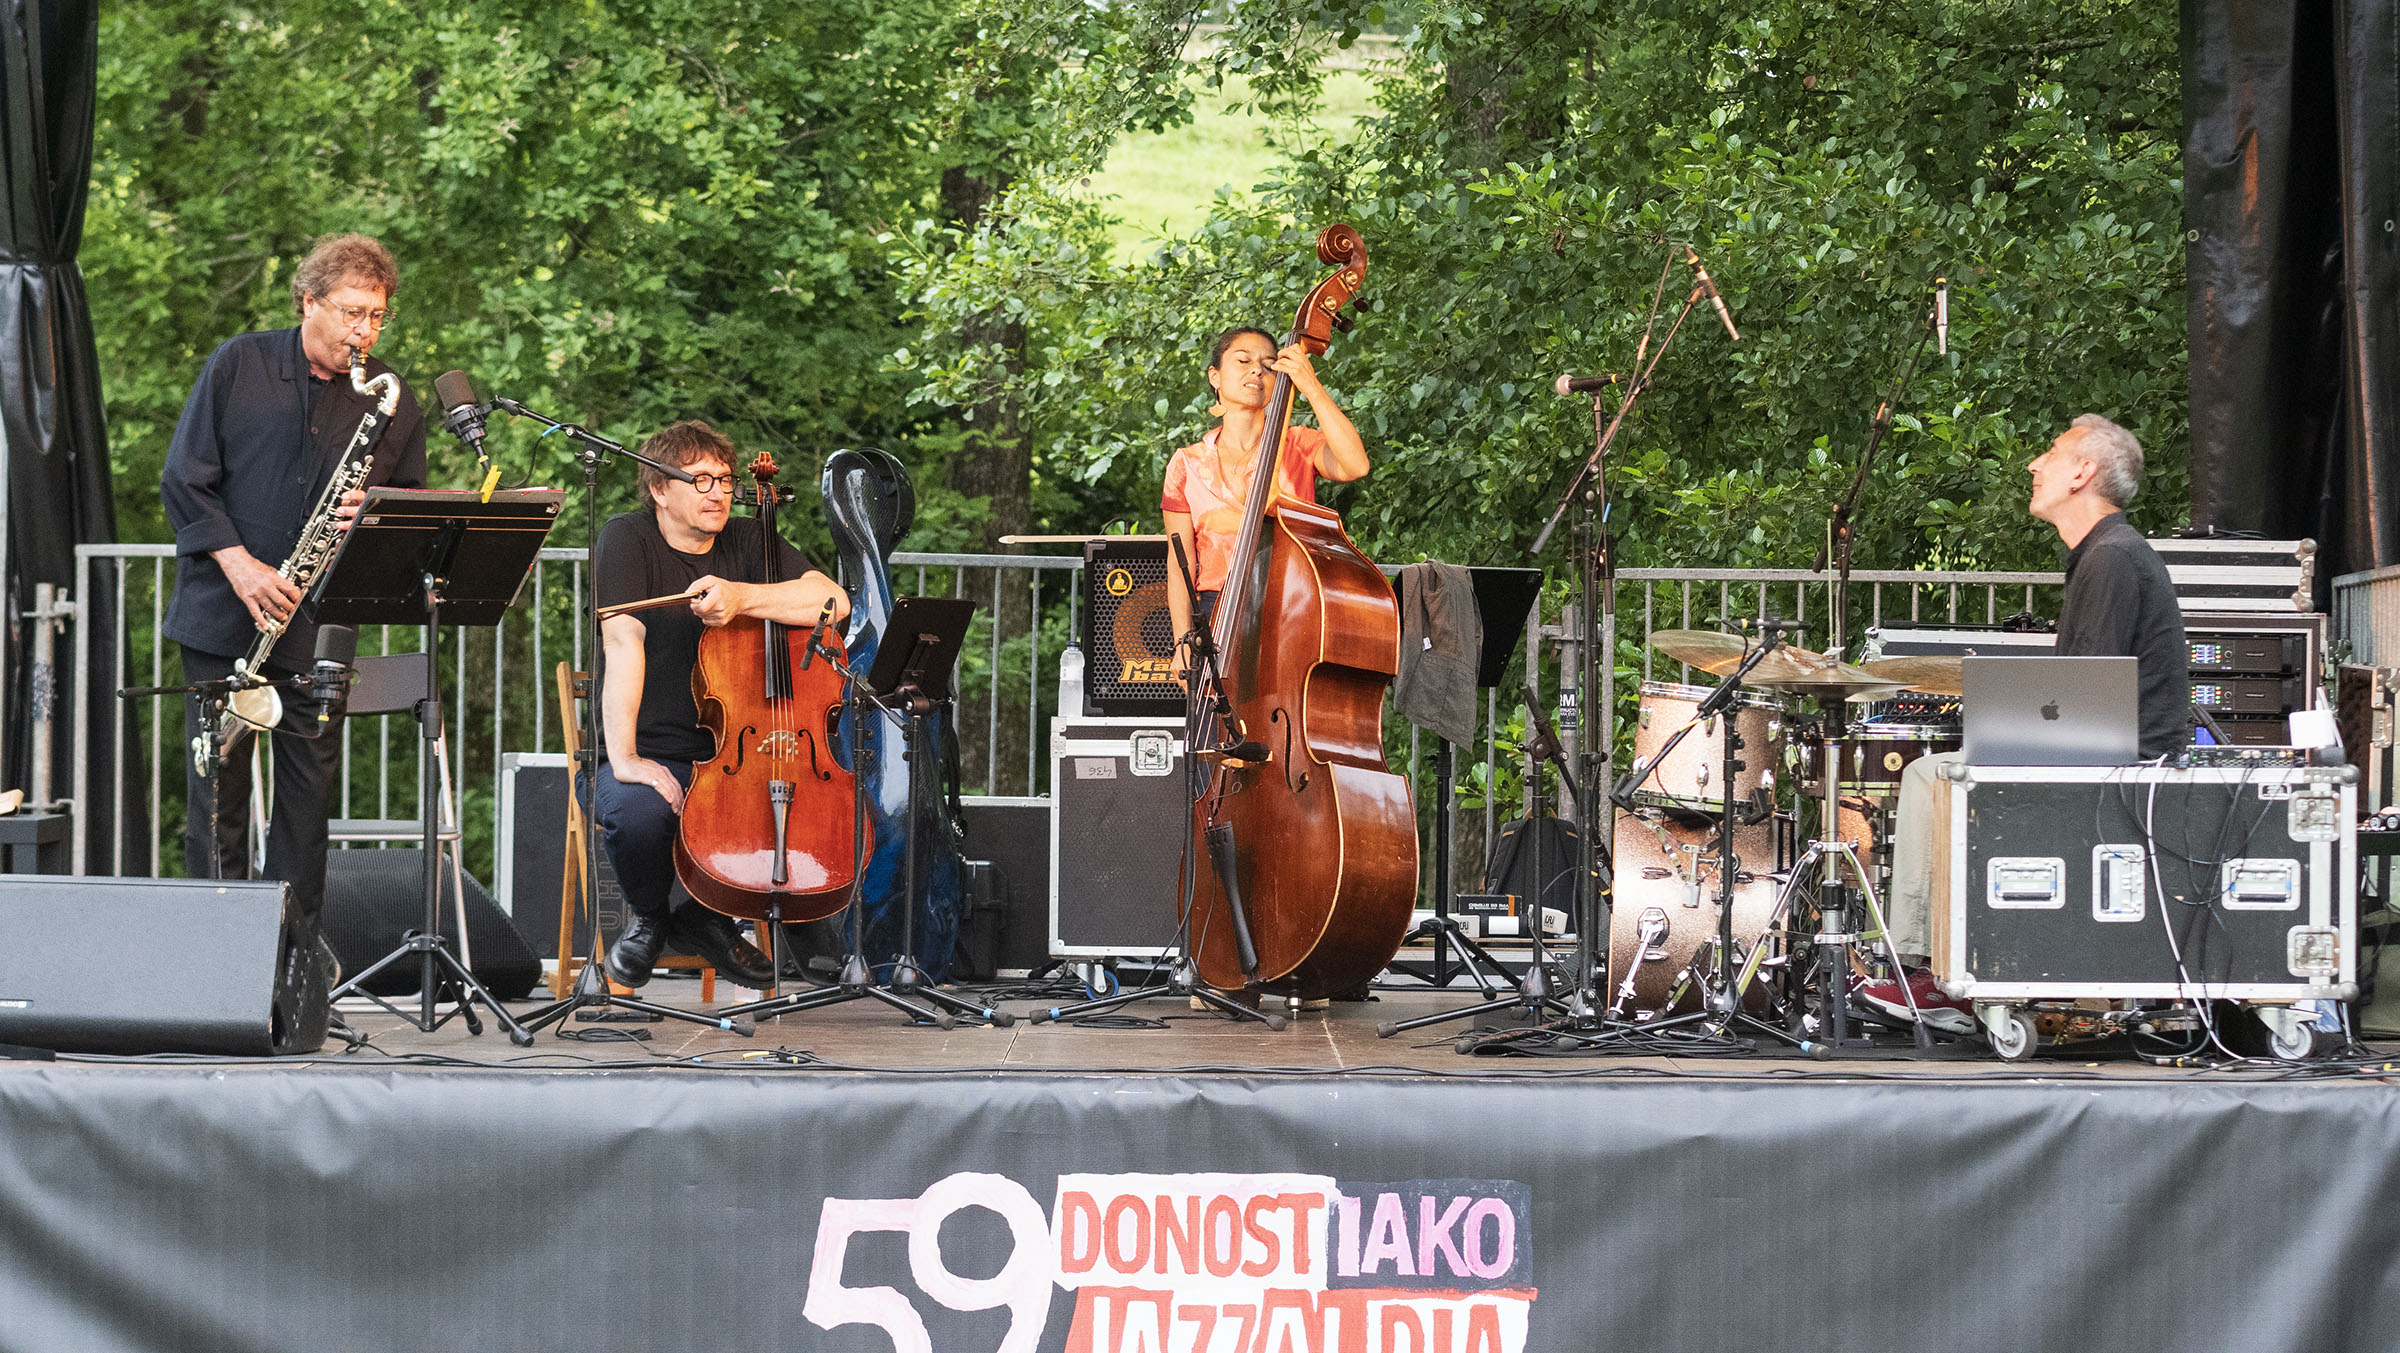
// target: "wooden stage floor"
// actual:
[[1165, 1035]]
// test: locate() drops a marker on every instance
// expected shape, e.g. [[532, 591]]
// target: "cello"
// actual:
[[768, 820], [1303, 842]]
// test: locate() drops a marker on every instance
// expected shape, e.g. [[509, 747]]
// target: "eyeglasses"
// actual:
[[352, 314], [705, 484]]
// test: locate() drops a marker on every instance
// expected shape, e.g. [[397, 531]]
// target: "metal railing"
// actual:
[[499, 697]]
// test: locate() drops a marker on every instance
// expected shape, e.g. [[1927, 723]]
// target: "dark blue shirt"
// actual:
[[255, 447]]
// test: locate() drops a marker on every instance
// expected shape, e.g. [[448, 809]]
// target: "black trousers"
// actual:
[[637, 829], [303, 769]]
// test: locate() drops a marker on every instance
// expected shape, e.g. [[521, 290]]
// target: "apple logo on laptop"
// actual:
[[2050, 711]]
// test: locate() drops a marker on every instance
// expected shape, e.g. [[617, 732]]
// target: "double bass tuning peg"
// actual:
[[1343, 322]]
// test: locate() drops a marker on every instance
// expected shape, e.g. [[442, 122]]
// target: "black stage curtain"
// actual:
[[2290, 195], [56, 448]]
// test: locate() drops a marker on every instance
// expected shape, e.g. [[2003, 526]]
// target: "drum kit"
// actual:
[[1723, 911]]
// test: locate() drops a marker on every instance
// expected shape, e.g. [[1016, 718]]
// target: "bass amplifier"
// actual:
[[2147, 882], [1119, 815], [1128, 631]]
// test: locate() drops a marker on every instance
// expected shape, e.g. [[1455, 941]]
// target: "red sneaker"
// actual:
[[1941, 1010]]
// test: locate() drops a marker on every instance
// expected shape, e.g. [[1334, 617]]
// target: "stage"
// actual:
[[843, 1180]]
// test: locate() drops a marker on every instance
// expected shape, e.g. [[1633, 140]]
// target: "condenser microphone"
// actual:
[[462, 412], [329, 678], [1570, 384], [1708, 285], [1941, 316], [809, 649]]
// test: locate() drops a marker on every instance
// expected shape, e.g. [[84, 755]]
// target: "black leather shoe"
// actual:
[[637, 948], [715, 937], [329, 962]]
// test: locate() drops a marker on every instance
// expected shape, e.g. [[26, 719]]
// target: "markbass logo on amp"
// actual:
[[1226, 1263]]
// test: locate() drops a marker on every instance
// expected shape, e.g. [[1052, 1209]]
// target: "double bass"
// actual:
[[770, 816], [1304, 843]]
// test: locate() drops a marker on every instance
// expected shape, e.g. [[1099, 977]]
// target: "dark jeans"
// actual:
[[637, 829], [303, 777]]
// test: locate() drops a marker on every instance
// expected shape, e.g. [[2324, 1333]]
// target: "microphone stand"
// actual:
[[591, 989], [1595, 552], [1838, 536]]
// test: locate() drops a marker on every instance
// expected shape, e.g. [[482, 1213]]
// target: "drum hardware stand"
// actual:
[[592, 999], [909, 680], [1577, 1009], [1204, 697], [1834, 940], [1721, 1000], [1838, 538]]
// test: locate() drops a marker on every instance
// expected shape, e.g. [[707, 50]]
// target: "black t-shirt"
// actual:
[[2120, 603], [636, 562]]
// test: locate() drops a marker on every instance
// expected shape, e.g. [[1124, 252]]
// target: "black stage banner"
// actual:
[[311, 1209], [2291, 159]]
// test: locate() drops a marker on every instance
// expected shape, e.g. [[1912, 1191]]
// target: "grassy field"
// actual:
[[1163, 184]]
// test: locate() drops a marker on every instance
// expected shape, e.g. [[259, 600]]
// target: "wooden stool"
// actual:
[[574, 889]]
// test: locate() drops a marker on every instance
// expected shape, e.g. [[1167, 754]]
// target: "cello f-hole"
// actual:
[[741, 749]]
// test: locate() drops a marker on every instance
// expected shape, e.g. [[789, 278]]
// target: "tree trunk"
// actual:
[[994, 462]]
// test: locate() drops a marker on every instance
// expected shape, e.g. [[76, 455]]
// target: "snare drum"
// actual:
[[1875, 754], [1665, 913], [1692, 778]]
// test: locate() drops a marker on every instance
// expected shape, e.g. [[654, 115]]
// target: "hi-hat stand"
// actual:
[[910, 681]]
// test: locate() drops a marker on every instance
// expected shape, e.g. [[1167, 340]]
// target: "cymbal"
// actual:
[[1931, 673], [1837, 681], [1718, 654], [1797, 670]]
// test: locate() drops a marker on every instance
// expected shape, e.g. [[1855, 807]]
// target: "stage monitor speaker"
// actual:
[[1120, 816], [127, 965], [1128, 632], [373, 898]]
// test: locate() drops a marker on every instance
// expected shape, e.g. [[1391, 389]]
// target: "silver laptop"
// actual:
[[2052, 711]]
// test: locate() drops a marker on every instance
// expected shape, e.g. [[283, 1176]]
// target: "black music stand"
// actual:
[[910, 681], [418, 557], [1506, 595]]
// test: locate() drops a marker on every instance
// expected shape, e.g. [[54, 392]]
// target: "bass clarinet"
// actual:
[[253, 701]]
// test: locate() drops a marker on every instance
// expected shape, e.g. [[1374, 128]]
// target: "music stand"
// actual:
[[1503, 597], [909, 680], [426, 557]]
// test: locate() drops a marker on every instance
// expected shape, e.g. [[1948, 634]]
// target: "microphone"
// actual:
[[1773, 624], [1941, 316], [1708, 285], [462, 413], [1568, 384], [329, 679], [809, 649]]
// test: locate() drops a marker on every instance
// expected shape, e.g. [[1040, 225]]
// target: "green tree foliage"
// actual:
[[620, 211], [1534, 162]]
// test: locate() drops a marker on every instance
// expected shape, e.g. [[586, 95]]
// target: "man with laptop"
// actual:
[[2119, 690]]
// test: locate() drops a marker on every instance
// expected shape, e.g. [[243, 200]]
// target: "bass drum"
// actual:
[[1691, 779], [1665, 912]]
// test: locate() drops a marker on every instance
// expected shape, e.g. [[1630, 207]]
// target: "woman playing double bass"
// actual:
[[1208, 480]]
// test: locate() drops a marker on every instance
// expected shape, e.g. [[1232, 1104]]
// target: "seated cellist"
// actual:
[[688, 541]]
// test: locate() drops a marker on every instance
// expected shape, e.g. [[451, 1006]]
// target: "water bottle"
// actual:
[[1070, 682]]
